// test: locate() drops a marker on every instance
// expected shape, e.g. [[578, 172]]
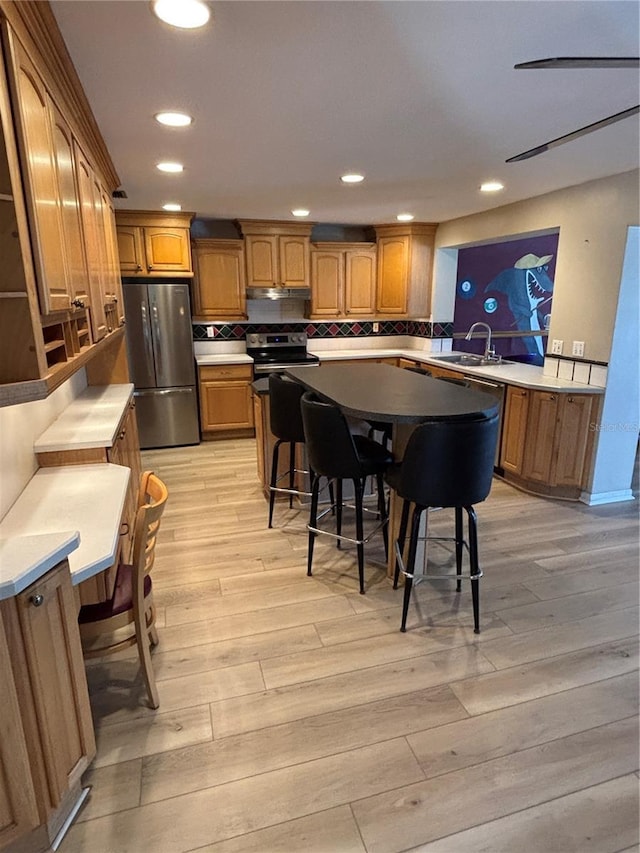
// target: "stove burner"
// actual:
[[273, 352]]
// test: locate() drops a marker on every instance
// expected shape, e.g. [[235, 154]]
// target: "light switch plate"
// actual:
[[376, 327], [556, 347], [578, 348], [209, 331]]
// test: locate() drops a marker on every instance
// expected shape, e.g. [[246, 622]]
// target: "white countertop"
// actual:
[[26, 558], [91, 420], [66, 501], [523, 375], [226, 358]]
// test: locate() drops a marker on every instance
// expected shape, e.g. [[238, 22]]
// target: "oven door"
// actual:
[[264, 368]]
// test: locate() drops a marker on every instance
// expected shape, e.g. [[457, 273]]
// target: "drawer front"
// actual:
[[225, 371]]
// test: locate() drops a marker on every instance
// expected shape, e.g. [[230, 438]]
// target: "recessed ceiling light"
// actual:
[[170, 167], [173, 119], [405, 217], [300, 211], [491, 187], [171, 206], [186, 14], [352, 178]]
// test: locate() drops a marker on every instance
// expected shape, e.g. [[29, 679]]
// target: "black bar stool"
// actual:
[[337, 454], [286, 425], [446, 464]]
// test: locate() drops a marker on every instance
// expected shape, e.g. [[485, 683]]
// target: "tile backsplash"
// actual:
[[586, 372], [328, 330]]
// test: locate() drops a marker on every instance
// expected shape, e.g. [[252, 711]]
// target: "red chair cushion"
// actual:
[[121, 601]]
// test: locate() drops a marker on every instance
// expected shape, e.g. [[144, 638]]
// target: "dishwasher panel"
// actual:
[[497, 390]]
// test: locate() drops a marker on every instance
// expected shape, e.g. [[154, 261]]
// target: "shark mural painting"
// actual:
[[529, 291], [508, 285]]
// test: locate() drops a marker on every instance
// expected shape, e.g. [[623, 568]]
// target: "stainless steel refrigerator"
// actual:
[[161, 361]]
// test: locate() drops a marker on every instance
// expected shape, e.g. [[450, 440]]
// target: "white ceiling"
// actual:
[[421, 97]]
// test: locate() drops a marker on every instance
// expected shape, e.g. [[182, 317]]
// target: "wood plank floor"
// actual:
[[295, 717]]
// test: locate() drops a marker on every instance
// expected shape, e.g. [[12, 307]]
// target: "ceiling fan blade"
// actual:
[[583, 62], [576, 134]]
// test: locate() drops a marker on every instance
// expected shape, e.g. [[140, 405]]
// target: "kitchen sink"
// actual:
[[470, 360]]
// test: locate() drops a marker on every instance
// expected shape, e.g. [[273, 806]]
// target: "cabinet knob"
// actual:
[[139, 268], [570, 400], [122, 434], [150, 266], [37, 600], [552, 397], [77, 302]]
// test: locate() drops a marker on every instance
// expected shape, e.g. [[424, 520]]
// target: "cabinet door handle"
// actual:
[[37, 600]]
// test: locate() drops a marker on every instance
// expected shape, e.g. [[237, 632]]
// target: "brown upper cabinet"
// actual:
[[277, 253], [405, 260], [219, 283], [154, 244], [34, 134], [60, 293], [343, 280]]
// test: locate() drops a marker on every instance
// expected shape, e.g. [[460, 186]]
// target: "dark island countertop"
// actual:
[[390, 394]]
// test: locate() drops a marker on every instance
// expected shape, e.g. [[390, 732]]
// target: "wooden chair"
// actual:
[[132, 601]]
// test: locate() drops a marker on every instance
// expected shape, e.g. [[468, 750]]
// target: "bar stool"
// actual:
[[286, 425], [446, 464], [337, 454]]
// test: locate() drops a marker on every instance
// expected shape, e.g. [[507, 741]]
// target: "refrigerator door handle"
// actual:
[[157, 334], [162, 392], [146, 333]]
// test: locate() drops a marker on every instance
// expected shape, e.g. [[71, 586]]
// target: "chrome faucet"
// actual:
[[488, 351]]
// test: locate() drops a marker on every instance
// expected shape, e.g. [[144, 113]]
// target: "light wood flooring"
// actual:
[[294, 716]]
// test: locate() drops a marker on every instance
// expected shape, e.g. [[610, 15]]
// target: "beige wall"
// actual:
[[20, 426], [593, 219]]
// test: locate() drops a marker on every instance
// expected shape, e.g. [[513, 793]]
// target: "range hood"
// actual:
[[278, 293]]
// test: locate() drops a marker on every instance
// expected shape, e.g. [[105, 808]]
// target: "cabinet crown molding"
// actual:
[[274, 227], [36, 27], [407, 229], [216, 243], [339, 246], [154, 218]]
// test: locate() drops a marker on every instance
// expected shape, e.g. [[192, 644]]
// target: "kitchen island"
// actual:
[[381, 392]]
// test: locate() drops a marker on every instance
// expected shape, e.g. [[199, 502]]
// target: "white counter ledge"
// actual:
[[523, 375], [91, 420], [226, 358], [26, 558], [73, 499]]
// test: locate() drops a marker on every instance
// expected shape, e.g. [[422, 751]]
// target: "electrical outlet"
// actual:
[[556, 347], [209, 331], [376, 327], [578, 348]]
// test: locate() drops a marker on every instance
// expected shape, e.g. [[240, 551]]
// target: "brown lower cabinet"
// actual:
[[125, 451], [46, 732], [547, 440], [226, 408]]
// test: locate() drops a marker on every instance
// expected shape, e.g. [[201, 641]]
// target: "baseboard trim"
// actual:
[[600, 498]]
